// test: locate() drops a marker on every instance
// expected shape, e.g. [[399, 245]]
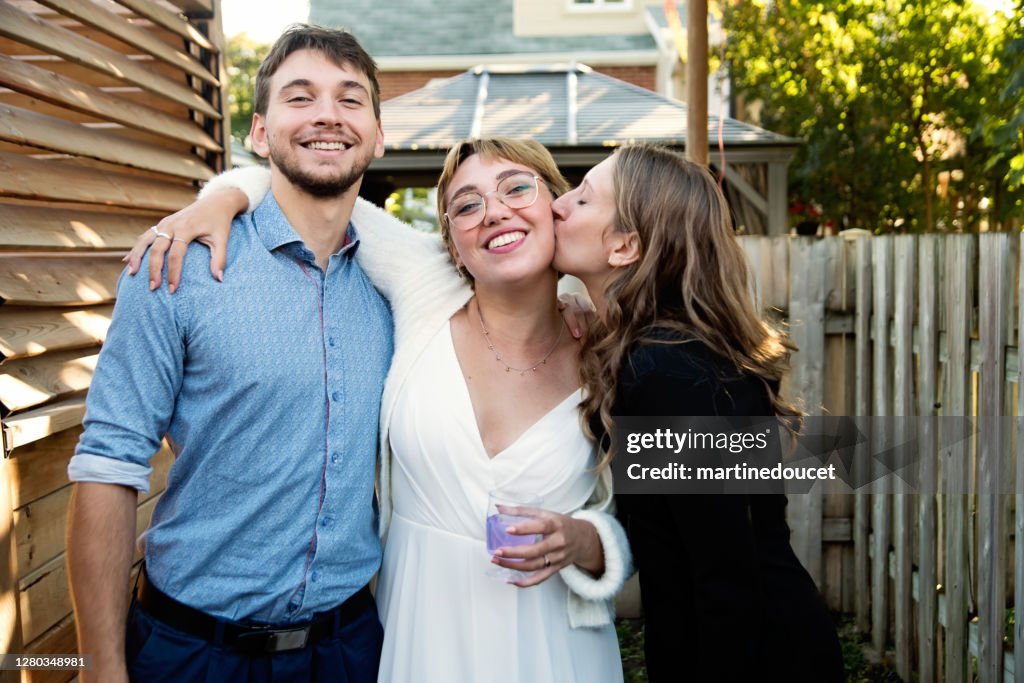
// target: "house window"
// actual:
[[601, 4]]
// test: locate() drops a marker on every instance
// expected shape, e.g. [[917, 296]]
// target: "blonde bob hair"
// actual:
[[529, 153]]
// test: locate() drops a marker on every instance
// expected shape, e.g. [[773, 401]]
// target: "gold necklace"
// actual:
[[497, 356]]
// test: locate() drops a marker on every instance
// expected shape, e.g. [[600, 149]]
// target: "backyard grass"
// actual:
[[858, 669]]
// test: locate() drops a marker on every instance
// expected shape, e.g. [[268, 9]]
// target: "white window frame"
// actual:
[[599, 6]]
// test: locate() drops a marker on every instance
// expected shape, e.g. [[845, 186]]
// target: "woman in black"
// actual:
[[724, 596]]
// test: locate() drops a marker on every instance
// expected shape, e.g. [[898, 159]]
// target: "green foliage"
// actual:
[[415, 206], [891, 99], [631, 648], [243, 56], [1002, 127]]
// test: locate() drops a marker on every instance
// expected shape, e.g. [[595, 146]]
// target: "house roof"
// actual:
[[421, 28], [561, 106]]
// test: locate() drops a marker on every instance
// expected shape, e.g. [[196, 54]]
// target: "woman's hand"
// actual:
[[577, 311], [565, 541], [207, 219]]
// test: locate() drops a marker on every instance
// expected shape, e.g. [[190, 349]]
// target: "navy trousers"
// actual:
[[157, 653]]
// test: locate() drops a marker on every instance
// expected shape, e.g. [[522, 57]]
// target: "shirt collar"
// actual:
[[276, 232]]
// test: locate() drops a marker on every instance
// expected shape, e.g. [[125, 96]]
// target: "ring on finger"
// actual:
[[163, 234], [178, 239]]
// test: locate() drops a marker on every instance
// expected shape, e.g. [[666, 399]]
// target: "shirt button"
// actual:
[[327, 522], [336, 396], [314, 577], [330, 341], [335, 457]]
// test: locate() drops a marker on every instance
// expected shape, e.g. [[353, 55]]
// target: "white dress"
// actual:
[[444, 619]]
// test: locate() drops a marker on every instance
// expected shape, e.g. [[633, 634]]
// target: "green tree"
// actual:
[[244, 56], [888, 97], [414, 205], [1002, 126]]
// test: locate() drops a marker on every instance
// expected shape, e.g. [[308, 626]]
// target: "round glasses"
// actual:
[[518, 191]]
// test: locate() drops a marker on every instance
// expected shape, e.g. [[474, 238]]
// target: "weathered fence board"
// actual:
[[73, 279], [807, 329], [1018, 527], [862, 406], [33, 425], [929, 260], [114, 25], [26, 226], [47, 132], [905, 264], [959, 297], [30, 382], [995, 281], [74, 181], [51, 38], [32, 80], [60, 638], [881, 402], [170, 21], [28, 331]]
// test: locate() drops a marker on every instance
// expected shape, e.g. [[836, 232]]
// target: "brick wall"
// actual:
[[395, 83], [642, 76]]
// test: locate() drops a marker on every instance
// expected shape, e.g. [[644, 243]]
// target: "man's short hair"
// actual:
[[338, 45]]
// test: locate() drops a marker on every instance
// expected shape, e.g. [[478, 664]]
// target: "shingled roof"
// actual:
[[578, 114], [421, 28], [559, 105]]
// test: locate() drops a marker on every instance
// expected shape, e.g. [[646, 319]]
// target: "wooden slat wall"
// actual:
[[110, 116], [932, 323]]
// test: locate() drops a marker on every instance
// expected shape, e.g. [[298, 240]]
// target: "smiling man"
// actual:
[[268, 387]]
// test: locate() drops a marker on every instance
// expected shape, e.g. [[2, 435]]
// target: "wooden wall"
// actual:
[[914, 325], [111, 113]]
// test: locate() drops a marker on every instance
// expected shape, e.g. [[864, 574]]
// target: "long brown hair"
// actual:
[[529, 153], [691, 277]]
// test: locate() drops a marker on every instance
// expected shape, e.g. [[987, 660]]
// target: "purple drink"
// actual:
[[497, 537]]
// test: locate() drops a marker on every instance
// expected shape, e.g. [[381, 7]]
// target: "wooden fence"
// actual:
[[110, 114], [913, 325]]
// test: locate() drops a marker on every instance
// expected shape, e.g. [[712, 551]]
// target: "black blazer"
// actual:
[[724, 596]]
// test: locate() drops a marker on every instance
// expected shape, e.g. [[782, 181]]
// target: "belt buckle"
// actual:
[[275, 640]]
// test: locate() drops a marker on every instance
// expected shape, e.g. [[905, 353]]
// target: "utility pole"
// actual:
[[697, 81]]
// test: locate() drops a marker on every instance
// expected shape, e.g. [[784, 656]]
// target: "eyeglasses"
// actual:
[[517, 191]]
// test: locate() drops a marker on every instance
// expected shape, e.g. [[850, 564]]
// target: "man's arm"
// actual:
[[128, 410], [100, 540]]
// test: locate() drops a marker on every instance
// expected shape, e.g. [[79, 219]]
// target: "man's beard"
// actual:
[[323, 187]]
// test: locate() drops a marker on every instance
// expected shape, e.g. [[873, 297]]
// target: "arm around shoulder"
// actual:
[[254, 181]]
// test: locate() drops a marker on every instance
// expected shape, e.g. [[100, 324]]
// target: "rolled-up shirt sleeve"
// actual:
[[133, 392]]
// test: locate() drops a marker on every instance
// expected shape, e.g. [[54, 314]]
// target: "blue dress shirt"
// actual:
[[268, 387]]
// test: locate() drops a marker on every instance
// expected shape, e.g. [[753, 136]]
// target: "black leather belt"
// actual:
[[248, 638]]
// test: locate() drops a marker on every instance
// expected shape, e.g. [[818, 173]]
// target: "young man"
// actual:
[[268, 387]]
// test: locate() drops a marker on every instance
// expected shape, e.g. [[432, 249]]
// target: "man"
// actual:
[[268, 387]]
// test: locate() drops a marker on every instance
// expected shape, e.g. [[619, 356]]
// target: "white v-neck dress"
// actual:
[[444, 619]]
